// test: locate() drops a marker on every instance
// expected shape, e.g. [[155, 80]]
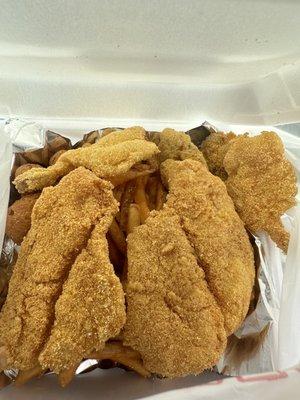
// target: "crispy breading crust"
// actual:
[[262, 183], [112, 156], [90, 310], [62, 220], [214, 148], [172, 318], [216, 233], [177, 146]]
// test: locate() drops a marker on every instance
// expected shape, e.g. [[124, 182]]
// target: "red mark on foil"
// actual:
[[265, 377]]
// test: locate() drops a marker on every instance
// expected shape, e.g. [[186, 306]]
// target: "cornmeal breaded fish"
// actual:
[[216, 233], [177, 146], [112, 156], [173, 320], [91, 309], [262, 183], [62, 220]]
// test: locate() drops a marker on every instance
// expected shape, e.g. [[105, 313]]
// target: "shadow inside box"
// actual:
[[102, 384]]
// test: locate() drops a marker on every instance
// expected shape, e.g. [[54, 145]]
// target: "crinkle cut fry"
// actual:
[[217, 234], [112, 157], [173, 320], [63, 216], [91, 308]]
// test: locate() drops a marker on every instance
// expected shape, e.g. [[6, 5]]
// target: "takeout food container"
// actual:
[[93, 65]]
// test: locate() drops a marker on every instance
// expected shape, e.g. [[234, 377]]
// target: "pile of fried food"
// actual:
[[136, 249]]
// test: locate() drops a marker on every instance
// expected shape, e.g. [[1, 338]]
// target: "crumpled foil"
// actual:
[[252, 348]]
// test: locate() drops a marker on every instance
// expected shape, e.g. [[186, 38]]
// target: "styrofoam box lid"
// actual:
[[172, 60]]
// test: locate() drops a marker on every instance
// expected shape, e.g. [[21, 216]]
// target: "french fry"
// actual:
[[134, 218], [126, 200], [118, 237], [129, 176], [66, 376], [27, 375], [140, 198], [126, 356], [124, 273], [115, 256], [160, 196], [4, 380], [151, 189], [118, 192]]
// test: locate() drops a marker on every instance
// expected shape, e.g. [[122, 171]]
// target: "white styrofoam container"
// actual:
[[171, 61], [76, 65]]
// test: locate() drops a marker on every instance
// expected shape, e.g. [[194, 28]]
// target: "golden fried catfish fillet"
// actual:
[[112, 156], [62, 221], [173, 320], [262, 183], [91, 308], [177, 146], [216, 233]]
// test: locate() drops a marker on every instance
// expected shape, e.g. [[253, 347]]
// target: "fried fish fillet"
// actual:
[[214, 149], [112, 156], [177, 146], [262, 183], [216, 233], [173, 320], [91, 308], [62, 220]]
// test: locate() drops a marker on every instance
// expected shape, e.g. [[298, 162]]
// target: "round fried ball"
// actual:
[[19, 217], [56, 156]]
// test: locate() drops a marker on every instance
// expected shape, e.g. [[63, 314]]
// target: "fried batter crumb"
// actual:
[[262, 183], [62, 220], [173, 320], [216, 233], [214, 148], [177, 146]]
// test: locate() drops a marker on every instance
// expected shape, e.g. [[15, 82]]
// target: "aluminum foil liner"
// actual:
[[255, 347]]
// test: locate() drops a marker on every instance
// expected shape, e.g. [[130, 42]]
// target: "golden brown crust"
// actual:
[[173, 320], [262, 183], [25, 167], [90, 310], [62, 220], [112, 156], [177, 146], [216, 233], [214, 149], [19, 217]]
